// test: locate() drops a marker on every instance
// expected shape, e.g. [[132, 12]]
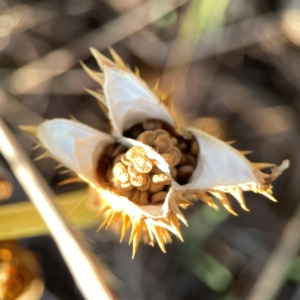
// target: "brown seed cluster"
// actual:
[[133, 175], [178, 148]]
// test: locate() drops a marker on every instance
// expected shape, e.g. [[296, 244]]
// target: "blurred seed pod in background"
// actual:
[[20, 275], [6, 189]]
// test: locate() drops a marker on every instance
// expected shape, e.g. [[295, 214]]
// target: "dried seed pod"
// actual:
[[222, 169]]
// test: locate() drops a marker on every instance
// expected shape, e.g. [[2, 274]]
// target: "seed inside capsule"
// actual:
[[134, 175], [158, 197], [186, 171], [142, 165], [120, 172], [138, 181], [162, 179], [147, 137], [135, 152], [155, 187], [163, 143]]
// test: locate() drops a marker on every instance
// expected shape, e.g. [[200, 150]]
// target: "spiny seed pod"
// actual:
[[209, 167]]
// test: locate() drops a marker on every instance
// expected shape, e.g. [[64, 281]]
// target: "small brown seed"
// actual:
[[138, 180], [158, 197], [155, 187], [146, 185], [161, 131], [136, 196], [163, 143], [194, 148], [135, 152], [126, 186], [144, 198], [185, 171], [132, 171], [169, 158], [127, 194], [173, 172], [147, 138], [143, 165], [125, 161], [177, 153], [151, 124], [120, 173], [190, 160], [182, 146], [174, 141], [182, 160], [162, 179]]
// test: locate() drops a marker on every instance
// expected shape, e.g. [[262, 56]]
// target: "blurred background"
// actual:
[[237, 64]]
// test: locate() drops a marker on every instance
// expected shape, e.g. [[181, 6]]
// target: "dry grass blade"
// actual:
[[73, 248]]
